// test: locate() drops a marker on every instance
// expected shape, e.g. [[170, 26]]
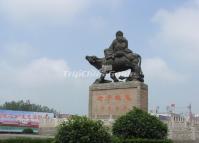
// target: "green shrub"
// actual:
[[139, 124], [114, 140], [26, 140], [28, 131], [141, 141], [82, 130]]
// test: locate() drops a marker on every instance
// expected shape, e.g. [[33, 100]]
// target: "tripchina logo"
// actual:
[[81, 74], [90, 74]]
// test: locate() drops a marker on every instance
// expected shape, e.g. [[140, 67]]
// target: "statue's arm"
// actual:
[[126, 47], [109, 52], [111, 47], [126, 42]]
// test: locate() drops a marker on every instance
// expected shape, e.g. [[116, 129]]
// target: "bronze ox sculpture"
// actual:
[[119, 65]]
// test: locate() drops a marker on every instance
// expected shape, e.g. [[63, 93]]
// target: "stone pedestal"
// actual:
[[111, 100]]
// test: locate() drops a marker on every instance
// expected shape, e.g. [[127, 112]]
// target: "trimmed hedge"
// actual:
[[26, 140], [119, 140], [114, 140]]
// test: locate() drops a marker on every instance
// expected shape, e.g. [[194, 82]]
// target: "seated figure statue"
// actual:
[[118, 49]]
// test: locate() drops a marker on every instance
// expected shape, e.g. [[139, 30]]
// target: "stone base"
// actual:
[[111, 100]]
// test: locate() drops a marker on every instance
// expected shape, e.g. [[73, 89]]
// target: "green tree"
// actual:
[[82, 130], [139, 124], [26, 106]]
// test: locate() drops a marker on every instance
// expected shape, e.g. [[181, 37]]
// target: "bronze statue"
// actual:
[[118, 58]]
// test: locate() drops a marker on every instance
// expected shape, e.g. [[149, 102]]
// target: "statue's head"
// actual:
[[119, 35]]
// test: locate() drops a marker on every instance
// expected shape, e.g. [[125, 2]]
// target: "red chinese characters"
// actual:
[[118, 98], [128, 98], [100, 98]]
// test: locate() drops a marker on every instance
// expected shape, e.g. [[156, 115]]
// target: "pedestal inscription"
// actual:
[[111, 100]]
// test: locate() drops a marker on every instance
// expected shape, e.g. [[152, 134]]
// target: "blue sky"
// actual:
[[40, 39]]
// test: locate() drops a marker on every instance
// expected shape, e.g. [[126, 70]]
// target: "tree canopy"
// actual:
[[139, 124], [82, 130], [26, 106]]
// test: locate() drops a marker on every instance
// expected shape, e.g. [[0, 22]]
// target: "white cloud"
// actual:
[[28, 10], [13, 56], [157, 70], [179, 31], [42, 72], [54, 11], [17, 54], [17, 50]]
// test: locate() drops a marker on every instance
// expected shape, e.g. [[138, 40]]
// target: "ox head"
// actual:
[[91, 59], [94, 61]]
